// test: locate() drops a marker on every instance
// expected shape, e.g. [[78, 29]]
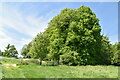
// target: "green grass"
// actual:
[[0, 69], [61, 71], [0, 72]]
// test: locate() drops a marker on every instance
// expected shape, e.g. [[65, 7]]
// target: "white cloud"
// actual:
[[21, 43], [29, 25], [4, 39], [24, 24]]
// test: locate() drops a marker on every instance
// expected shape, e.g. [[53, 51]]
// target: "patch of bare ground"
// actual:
[[10, 65]]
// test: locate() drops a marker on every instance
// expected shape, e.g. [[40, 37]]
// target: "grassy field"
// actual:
[[11, 70]]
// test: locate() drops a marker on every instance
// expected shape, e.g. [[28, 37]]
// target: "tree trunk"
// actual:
[[53, 62], [58, 62], [40, 61]]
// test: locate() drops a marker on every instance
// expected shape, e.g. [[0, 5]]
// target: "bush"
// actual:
[[27, 62], [49, 63], [116, 59], [116, 54], [70, 58], [67, 59], [33, 61], [73, 58], [23, 63]]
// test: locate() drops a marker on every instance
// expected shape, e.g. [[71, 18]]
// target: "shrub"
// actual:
[[33, 61], [49, 63], [26, 62], [116, 54], [116, 58], [23, 63], [70, 58]]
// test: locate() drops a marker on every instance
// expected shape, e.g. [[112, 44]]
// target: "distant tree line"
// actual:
[[73, 37], [10, 51]]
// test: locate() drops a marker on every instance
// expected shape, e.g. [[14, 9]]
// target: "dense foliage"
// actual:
[[39, 47], [116, 54], [10, 51], [73, 37]]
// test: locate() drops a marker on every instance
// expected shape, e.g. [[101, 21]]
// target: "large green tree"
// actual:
[[74, 38], [39, 47], [79, 30], [84, 35], [57, 32]]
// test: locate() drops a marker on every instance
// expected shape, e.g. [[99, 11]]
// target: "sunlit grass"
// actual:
[[0, 72], [61, 71]]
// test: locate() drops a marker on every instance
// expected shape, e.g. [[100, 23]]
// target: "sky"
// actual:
[[21, 21]]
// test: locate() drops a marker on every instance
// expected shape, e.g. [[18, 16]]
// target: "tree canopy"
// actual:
[[10, 51], [73, 37], [39, 47]]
